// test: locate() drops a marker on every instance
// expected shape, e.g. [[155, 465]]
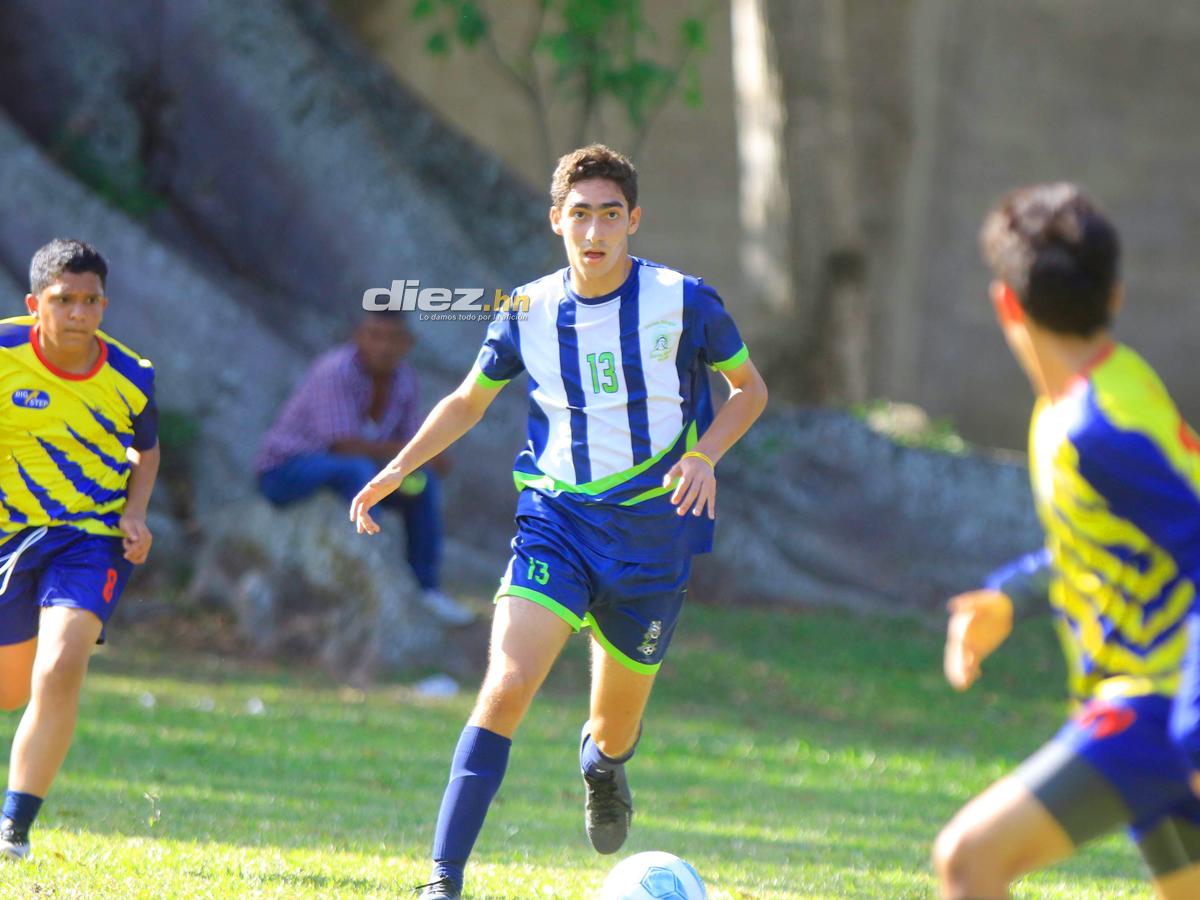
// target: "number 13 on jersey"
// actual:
[[604, 372]]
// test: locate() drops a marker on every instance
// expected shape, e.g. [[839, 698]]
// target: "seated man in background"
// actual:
[[355, 408]]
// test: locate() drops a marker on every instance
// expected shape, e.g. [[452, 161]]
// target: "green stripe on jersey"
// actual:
[[546, 482]]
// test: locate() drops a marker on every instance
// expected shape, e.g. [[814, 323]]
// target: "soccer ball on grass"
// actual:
[[653, 875]]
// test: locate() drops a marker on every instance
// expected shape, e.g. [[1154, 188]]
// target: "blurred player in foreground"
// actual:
[[78, 459], [617, 489], [1116, 480]]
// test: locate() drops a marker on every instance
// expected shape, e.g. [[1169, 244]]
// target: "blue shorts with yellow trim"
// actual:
[[632, 607], [66, 567]]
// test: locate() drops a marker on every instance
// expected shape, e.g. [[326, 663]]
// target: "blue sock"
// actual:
[[21, 808], [594, 764], [475, 775]]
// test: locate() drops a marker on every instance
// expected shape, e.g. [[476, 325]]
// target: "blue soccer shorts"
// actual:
[[632, 607], [1112, 765], [65, 567]]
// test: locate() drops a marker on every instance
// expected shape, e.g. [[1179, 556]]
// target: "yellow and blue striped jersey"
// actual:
[[1116, 480], [64, 437]]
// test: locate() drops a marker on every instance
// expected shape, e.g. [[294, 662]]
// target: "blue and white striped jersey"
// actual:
[[617, 393]]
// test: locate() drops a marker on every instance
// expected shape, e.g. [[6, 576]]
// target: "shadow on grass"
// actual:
[[780, 742], [307, 880]]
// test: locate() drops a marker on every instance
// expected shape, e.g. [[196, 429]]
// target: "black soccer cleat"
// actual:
[[442, 889], [14, 841], [608, 810]]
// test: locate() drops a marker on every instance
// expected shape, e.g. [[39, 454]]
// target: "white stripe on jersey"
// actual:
[[539, 352], [660, 315], [598, 331]]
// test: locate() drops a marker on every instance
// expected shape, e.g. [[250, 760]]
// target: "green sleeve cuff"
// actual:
[[734, 361], [483, 381]]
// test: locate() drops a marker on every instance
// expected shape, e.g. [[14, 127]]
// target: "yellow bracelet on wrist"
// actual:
[[696, 454]]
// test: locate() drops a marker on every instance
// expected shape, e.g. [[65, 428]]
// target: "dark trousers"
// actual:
[[303, 476]]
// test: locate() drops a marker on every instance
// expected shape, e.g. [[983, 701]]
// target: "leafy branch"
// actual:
[[587, 51]]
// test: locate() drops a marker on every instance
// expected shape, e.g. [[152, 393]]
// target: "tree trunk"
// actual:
[[847, 349]]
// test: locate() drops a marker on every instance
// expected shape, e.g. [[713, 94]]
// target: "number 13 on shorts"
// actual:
[[538, 571]]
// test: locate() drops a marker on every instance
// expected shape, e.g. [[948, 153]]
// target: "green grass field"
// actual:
[[786, 755]]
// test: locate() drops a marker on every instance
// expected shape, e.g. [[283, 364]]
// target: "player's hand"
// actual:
[[979, 623], [1194, 781], [695, 487], [373, 491], [137, 538]]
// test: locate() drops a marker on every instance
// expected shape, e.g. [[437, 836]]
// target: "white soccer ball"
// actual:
[[653, 875]]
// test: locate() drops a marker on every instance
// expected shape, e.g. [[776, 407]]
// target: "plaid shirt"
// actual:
[[332, 403]]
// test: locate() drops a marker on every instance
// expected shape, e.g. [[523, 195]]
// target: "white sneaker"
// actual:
[[14, 852], [446, 608]]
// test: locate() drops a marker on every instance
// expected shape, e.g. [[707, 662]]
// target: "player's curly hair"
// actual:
[[64, 255], [1058, 253], [593, 161]]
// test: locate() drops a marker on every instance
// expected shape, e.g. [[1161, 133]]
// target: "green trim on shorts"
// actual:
[[734, 361], [515, 590], [628, 662]]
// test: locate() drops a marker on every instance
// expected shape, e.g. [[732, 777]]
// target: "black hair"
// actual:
[[64, 255], [593, 161], [1058, 253]]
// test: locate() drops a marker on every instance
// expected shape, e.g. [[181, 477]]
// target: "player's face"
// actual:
[[595, 223], [382, 344], [69, 310]]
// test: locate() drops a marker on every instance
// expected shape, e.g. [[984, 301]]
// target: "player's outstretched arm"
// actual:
[[455, 415], [979, 623], [694, 476], [142, 474]]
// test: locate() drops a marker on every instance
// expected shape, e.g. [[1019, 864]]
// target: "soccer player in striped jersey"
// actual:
[[1116, 480], [78, 459], [617, 489]]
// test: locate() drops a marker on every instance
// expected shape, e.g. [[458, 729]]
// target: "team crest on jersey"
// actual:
[[662, 338], [30, 398], [650, 639]]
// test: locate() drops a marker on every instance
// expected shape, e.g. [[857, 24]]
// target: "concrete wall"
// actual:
[[688, 169], [953, 103], [1102, 93]]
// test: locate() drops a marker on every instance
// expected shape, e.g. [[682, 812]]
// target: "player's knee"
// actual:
[[953, 852], [962, 856], [60, 671], [507, 693]]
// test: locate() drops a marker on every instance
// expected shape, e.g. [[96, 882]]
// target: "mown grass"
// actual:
[[785, 755]]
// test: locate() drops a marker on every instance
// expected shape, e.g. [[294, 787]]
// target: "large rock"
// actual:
[[280, 151], [277, 174], [816, 508], [12, 293], [300, 582], [213, 363]]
